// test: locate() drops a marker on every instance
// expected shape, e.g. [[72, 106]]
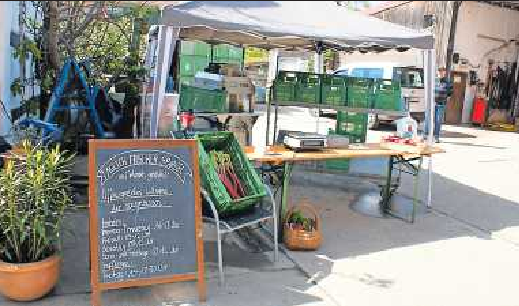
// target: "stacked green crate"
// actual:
[[360, 92], [388, 95], [284, 87], [308, 88], [333, 90], [194, 56], [202, 100], [354, 125], [227, 54]]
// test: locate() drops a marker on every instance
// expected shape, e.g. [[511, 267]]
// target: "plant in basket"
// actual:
[[34, 196], [301, 232], [299, 222]]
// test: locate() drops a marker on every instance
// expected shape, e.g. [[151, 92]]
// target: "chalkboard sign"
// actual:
[[145, 214]]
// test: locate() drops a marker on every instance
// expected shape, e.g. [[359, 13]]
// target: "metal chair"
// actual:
[[225, 225]]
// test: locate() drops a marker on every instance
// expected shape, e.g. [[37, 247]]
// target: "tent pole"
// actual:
[[163, 63], [318, 68], [429, 72], [273, 69]]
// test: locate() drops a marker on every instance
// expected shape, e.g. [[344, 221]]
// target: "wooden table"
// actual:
[[397, 153]]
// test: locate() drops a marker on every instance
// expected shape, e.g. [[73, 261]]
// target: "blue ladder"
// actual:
[[58, 94]]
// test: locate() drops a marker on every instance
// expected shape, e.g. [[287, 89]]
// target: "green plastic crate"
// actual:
[[202, 100], [187, 80], [195, 48], [189, 65], [221, 51], [187, 47], [357, 138], [284, 92], [308, 88], [200, 63], [334, 95], [334, 80], [352, 117], [350, 128], [254, 188], [353, 125], [287, 76], [308, 78], [342, 165], [308, 93], [236, 53], [388, 95], [186, 66], [360, 92]]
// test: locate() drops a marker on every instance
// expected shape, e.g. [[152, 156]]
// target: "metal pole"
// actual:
[[430, 68], [273, 69], [318, 68], [159, 88]]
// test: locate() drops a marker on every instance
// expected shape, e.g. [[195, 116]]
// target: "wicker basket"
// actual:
[[301, 239]]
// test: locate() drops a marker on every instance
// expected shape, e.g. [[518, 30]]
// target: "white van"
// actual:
[[411, 79]]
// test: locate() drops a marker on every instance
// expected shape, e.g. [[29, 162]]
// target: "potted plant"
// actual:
[[300, 232], [34, 195]]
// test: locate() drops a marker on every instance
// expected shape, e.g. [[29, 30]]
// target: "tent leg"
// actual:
[[167, 42], [430, 71], [429, 184]]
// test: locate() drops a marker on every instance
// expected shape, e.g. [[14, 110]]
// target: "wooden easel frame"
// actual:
[[97, 286]]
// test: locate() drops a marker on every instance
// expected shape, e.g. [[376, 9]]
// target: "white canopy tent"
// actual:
[[288, 25]]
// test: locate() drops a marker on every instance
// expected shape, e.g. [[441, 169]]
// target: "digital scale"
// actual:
[[304, 141]]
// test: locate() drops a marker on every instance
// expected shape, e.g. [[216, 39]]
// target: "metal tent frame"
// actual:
[[284, 25]]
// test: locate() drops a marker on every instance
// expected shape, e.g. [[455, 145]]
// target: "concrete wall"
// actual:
[[10, 67], [7, 11], [476, 19]]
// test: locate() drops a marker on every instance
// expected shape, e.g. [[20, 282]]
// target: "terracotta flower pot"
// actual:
[[29, 281]]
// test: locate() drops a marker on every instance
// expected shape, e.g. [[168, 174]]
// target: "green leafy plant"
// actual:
[[34, 196], [298, 220]]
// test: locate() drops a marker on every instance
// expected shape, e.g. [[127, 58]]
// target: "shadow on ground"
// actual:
[[459, 211]]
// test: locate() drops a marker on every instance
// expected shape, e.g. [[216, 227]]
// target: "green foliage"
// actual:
[[297, 218], [113, 45], [24, 48], [16, 87], [34, 195]]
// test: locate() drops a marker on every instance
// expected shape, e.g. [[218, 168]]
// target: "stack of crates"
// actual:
[[353, 125], [284, 87], [360, 92], [194, 56], [334, 90], [308, 88], [388, 95], [202, 100]]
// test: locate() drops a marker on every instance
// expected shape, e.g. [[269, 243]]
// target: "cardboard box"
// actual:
[[238, 85], [231, 70]]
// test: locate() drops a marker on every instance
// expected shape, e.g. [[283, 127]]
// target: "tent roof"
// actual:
[[290, 24]]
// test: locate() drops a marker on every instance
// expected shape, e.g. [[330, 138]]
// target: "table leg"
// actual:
[[386, 197], [287, 173], [274, 139], [415, 189], [268, 125]]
